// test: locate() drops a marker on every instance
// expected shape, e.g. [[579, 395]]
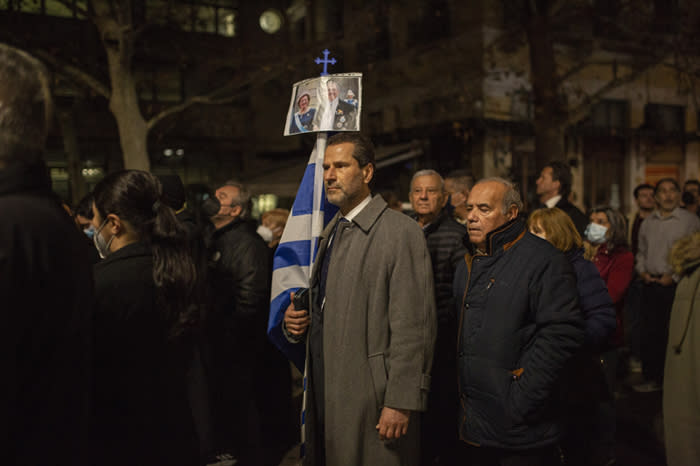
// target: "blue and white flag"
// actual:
[[297, 249]]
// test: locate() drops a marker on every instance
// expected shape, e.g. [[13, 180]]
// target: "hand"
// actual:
[[647, 278], [296, 322], [665, 280], [393, 423]]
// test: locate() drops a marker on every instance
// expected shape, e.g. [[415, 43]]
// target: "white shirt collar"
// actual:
[[552, 202], [358, 208]]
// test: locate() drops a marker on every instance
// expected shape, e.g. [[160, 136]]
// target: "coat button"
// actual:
[[466, 305], [461, 354]]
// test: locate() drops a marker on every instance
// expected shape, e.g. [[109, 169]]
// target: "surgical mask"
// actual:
[[100, 243], [595, 233], [211, 207], [89, 231], [265, 233]]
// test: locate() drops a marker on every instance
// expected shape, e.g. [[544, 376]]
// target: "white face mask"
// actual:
[[595, 233], [100, 243], [265, 233]]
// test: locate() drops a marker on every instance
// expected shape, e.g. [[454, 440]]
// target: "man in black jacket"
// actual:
[[554, 187], [519, 324], [445, 238], [45, 284], [240, 274]]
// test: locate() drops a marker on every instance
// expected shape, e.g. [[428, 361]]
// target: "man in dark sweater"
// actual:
[[445, 238], [554, 187]]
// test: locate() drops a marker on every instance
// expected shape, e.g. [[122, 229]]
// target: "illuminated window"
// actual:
[[227, 22]]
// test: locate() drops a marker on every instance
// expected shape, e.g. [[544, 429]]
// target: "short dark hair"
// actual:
[[364, 149], [561, 172], [666, 180], [27, 107], [692, 181], [640, 187]]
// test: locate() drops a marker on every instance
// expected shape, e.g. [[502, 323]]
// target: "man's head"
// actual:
[[235, 203], [348, 169], [350, 94], [693, 187], [25, 107], [492, 202], [427, 195], [554, 180], [644, 195], [667, 194], [332, 90], [459, 181]]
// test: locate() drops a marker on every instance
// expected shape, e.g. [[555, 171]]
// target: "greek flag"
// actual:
[[296, 252]]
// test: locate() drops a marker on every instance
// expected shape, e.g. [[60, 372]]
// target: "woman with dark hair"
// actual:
[[302, 119], [584, 381], [144, 321]]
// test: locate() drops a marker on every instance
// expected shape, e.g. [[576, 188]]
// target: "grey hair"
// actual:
[[243, 198], [429, 172], [510, 197], [25, 106], [462, 179]]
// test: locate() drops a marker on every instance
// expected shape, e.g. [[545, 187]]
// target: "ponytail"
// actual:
[[135, 196], [174, 272]]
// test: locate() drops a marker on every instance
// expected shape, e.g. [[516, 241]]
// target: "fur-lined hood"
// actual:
[[685, 254]]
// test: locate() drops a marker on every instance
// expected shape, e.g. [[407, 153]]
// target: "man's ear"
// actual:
[[368, 172], [236, 211], [512, 212]]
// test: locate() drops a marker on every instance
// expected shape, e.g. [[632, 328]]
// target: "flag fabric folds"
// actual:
[[296, 252]]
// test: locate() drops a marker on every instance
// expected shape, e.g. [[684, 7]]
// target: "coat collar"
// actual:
[[24, 177], [128, 251], [365, 219], [503, 238]]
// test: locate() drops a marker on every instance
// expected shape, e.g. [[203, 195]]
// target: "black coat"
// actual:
[[240, 286], [520, 323], [46, 289], [579, 218], [142, 413]]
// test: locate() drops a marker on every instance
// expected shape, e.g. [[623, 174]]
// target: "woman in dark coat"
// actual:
[[143, 327], [585, 387]]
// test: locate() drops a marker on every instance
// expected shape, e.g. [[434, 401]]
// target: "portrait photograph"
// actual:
[[326, 103]]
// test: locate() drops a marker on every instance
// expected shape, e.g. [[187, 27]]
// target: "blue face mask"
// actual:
[[595, 233], [89, 231]]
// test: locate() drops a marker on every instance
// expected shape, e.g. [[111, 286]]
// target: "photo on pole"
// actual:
[[326, 103]]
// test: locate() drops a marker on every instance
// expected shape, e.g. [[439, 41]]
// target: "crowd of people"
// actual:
[[466, 332]]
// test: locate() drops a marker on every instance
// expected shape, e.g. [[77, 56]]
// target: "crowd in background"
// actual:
[[141, 326]]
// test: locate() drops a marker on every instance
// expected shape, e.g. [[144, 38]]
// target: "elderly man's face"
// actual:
[[332, 91], [485, 211], [427, 196]]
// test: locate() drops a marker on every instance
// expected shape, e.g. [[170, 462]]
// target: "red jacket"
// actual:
[[616, 267]]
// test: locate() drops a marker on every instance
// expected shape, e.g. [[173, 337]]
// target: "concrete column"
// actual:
[[692, 159]]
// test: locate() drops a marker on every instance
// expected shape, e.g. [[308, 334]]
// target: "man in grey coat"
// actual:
[[371, 331]]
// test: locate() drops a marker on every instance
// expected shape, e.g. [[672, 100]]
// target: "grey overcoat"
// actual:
[[378, 336]]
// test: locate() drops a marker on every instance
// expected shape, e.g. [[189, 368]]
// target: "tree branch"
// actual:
[[75, 73], [583, 108], [72, 6], [232, 87]]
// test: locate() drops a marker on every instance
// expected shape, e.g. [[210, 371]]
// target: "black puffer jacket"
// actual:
[[240, 285], [520, 322]]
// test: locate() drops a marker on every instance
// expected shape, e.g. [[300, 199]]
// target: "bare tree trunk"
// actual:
[[549, 114], [114, 20], [124, 105]]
